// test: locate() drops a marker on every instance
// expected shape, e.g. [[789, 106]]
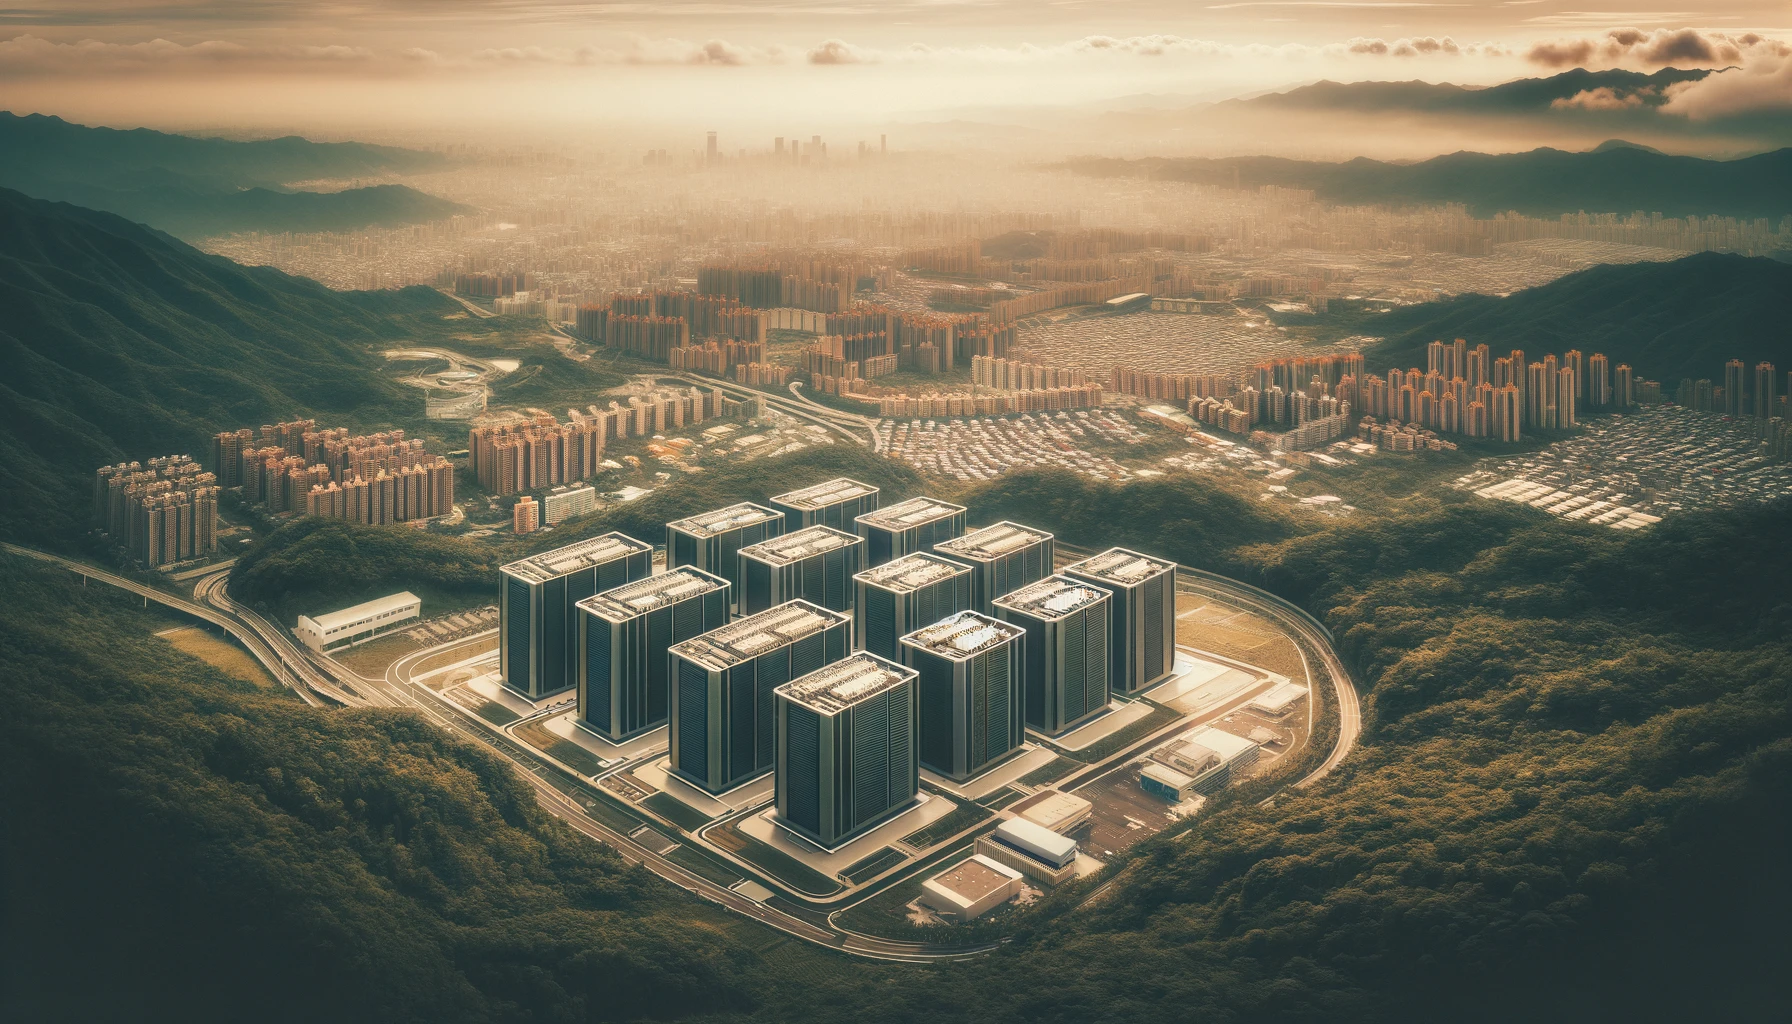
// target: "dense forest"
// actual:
[[312, 565], [1571, 802]]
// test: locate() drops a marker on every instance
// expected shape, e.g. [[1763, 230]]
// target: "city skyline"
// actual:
[[522, 69]]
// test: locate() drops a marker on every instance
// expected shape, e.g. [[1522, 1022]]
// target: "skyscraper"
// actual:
[[722, 714], [1003, 558], [815, 564], [1735, 389], [909, 526], [846, 749], [1625, 390], [970, 670], [903, 595], [1763, 397], [1564, 405], [836, 503], [1599, 382], [538, 617], [624, 673], [1142, 630], [1067, 665], [712, 541]]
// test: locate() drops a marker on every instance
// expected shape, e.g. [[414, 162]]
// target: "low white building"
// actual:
[[971, 888], [1279, 700], [361, 622]]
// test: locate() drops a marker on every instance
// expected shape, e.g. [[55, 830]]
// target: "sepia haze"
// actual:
[[1147, 78]]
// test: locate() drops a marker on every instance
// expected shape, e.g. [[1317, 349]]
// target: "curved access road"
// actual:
[[870, 425], [1309, 633], [257, 646], [551, 786], [803, 410], [314, 672]]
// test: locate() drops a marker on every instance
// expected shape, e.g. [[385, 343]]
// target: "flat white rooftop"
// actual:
[[579, 555], [620, 604], [832, 689], [1051, 598], [366, 610], [962, 634], [911, 572], [911, 513], [804, 543], [992, 541], [1221, 742], [821, 495], [1023, 833], [745, 639], [1120, 566], [709, 524], [974, 880]]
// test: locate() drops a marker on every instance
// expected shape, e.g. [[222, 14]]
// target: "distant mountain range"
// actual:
[[119, 341], [1667, 320], [195, 187], [1523, 96], [1614, 178]]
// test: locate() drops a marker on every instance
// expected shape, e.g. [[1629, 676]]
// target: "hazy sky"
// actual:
[[498, 67]]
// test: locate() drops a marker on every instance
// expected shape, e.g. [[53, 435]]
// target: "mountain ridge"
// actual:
[[1669, 321], [1540, 182], [122, 341], [195, 187]]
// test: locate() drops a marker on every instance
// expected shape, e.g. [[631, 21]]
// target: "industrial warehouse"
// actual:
[[823, 692]]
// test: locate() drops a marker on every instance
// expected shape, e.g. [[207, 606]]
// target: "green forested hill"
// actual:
[[1542, 183], [1571, 803], [182, 846], [119, 341], [1667, 320], [205, 186]]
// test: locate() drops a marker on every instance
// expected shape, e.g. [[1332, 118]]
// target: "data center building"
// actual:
[[1003, 558], [901, 596], [846, 749], [1067, 664], [722, 714], [909, 526], [1142, 637], [836, 503], [712, 541], [970, 669], [625, 638], [814, 564], [538, 616]]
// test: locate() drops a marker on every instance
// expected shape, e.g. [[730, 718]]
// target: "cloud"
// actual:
[[28, 55], [839, 51], [1764, 86], [1660, 47], [1605, 98]]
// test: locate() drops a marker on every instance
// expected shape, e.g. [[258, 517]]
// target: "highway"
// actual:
[[802, 409], [252, 641]]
